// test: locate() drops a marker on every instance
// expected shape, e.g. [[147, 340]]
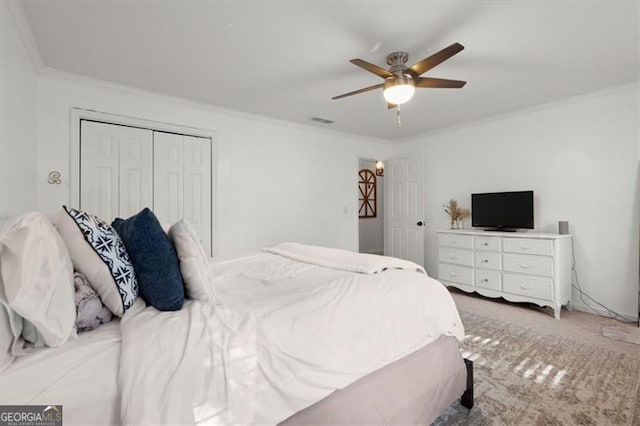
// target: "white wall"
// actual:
[[580, 158], [372, 228], [277, 181], [18, 82], [274, 180]]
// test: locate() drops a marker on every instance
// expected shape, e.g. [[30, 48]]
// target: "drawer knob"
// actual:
[[453, 242], [524, 247], [452, 257], [485, 244], [526, 286], [486, 280], [453, 274], [486, 261], [524, 266]]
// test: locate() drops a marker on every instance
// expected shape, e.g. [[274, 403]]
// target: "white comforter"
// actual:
[[343, 260], [285, 335], [193, 366]]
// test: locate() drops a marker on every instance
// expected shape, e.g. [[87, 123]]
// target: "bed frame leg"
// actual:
[[467, 396]]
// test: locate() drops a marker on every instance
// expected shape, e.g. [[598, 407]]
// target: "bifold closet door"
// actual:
[[182, 181], [116, 169]]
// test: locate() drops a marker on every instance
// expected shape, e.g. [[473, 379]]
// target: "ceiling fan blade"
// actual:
[[356, 92], [436, 59], [380, 72], [439, 83]]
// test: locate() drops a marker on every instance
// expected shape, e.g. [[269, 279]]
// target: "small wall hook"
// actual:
[[55, 178]]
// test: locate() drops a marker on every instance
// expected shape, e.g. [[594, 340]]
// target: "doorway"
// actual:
[[370, 207]]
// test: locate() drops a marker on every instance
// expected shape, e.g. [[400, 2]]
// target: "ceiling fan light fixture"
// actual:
[[398, 90]]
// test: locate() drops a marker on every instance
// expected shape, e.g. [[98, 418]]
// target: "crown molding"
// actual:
[[527, 110], [56, 74], [19, 16]]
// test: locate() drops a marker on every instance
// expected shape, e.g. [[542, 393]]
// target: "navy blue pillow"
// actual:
[[154, 260]]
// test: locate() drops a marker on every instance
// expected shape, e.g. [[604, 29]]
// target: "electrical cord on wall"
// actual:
[[610, 312]]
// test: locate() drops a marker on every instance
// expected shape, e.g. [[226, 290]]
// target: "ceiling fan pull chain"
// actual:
[[398, 115]]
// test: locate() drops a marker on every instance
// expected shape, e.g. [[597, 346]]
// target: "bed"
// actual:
[[288, 341]]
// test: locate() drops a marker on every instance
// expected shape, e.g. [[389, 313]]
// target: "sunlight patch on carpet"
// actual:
[[556, 380], [544, 374], [535, 377]]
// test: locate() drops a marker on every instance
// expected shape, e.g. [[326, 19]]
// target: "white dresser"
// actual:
[[520, 267]]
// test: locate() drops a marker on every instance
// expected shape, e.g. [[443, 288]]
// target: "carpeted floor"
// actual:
[[531, 369]]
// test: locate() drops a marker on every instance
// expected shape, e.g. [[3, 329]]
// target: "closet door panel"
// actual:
[[168, 177], [136, 170], [124, 169], [197, 187], [99, 157]]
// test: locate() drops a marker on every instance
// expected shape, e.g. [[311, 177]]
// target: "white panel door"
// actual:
[[168, 176], [116, 166], [404, 209], [136, 170], [197, 187], [182, 182], [99, 158], [124, 169]]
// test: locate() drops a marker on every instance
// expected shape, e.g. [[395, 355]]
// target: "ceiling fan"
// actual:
[[400, 81]]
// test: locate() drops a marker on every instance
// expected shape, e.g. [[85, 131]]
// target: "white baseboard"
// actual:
[[597, 310]]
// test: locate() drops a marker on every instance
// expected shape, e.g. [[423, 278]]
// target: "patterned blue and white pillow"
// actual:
[[98, 252]]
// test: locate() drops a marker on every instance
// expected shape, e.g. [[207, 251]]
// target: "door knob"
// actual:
[[420, 223]]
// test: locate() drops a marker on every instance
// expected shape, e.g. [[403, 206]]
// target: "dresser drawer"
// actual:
[[452, 240], [540, 288], [457, 256], [536, 265], [487, 243], [491, 280], [456, 274], [488, 260], [528, 246]]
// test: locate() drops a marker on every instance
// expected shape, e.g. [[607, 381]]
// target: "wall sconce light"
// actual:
[[379, 168]]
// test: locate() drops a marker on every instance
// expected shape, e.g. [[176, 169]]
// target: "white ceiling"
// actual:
[[287, 59]]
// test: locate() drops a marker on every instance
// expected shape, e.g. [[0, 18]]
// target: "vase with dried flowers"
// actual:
[[456, 213]]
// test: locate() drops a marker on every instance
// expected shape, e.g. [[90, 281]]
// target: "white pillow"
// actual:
[[11, 341], [98, 252], [37, 279], [194, 265]]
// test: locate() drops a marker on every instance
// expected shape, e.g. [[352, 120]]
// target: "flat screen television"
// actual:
[[502, 210]]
